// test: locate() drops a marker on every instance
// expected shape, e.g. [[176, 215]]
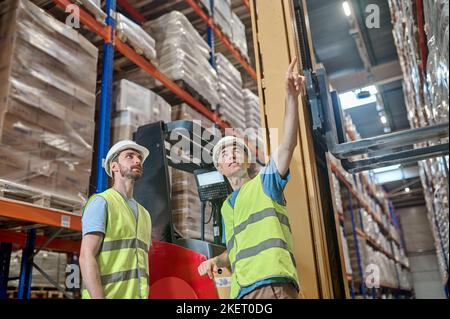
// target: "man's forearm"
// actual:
[[291, 119], [91, 277]]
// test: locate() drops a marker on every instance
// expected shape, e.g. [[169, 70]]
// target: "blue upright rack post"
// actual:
[[211, 39], [105, 98], [355, 237], [5, 258], [26, 266]]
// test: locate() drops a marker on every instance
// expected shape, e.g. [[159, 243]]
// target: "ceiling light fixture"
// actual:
[[347, 9], [383, 119], [407, 190]]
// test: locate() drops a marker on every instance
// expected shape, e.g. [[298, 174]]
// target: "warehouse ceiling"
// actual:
[[336, 49]]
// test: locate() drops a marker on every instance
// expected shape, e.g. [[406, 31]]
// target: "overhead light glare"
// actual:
[[347, 9]]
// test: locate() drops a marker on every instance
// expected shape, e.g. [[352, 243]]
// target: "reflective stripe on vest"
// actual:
[[123, 257], [259, 238], [123, 275], [268, 212]]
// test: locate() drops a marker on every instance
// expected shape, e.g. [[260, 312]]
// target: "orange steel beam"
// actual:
[[246, 4], [40, 215], [86, 18], [20, 238], [131, 10], [148, 67], [210, 22]]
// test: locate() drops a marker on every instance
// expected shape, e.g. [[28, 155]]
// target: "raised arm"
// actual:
[[294, 85]]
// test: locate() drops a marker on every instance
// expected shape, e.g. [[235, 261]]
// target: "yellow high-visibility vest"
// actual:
[[123, 257], [259, 238]]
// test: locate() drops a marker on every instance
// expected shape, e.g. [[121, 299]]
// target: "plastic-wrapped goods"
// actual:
[[231, 96], [222, 16], [94, 7], [184, 55], [239, 36], [337, 194], [252, 111], [136, 106], [433, 177], [140, 40], [47, 105], [437, 23], [348, 267], [54, 264]]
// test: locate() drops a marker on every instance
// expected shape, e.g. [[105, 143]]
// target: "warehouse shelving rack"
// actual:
[[358, 230], [31, 218]]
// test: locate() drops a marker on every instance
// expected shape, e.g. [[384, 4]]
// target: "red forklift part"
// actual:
[[174, 275]]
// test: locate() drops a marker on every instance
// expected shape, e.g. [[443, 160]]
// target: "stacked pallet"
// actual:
[[136, 106], [427, 102], [186, 206], [184, 55], [47, 104], [141, 41], [230, 91]]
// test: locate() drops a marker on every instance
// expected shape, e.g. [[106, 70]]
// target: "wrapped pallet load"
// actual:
[[239, 37], [136, 106], [230, 90], [222, 16], [47, 105], [94, 7], [141, 41], [183, 54]]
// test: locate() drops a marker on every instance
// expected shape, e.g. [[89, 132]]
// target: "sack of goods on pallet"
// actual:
[[140, 40], [186, 206], [136, 106], [95, 8], [239, 37], [222, 16], [230, 90], [47, 106], [184, 55], [252, 111]]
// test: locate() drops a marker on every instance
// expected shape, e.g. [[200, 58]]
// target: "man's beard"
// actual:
[[129, 173]]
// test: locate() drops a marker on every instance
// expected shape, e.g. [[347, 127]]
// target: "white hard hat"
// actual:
[[119, 147], [227, 141]]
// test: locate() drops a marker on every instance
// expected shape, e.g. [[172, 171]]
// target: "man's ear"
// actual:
[[115, 167]]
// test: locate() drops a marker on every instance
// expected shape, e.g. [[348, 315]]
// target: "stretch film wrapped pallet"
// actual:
[[230, 91], [427, 102], [186, 206], [239, 37], [184, 55], [47, 105], [136, 106]]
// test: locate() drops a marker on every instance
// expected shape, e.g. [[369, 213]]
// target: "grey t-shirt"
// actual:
[[95, 215]]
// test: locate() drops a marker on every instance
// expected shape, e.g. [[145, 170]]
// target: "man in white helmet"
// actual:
[[258, 236], [117, 231]]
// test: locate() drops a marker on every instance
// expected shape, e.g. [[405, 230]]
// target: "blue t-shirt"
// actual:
[[273, 185], [96, 213]]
